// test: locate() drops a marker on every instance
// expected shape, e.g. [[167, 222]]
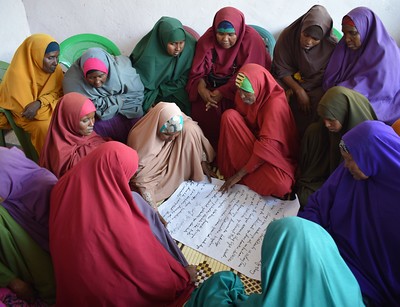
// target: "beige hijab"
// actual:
[[163, 166]]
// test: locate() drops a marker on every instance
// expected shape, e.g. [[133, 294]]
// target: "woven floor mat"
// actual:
[[206, 266]]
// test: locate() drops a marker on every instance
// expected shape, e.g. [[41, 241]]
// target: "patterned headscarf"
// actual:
[[174, 124]]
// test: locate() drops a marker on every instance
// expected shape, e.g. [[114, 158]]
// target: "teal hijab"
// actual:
[[164, 76], [301, 266]]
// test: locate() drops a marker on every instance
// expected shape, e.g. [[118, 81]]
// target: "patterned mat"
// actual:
[[206, 266]]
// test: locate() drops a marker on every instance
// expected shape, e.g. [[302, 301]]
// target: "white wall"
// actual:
[[126, 21], [14, 27]]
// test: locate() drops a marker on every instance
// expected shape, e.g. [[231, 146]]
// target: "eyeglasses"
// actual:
[[343, 147]]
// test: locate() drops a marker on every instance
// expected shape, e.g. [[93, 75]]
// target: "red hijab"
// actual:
[[270, 119], [64, 145], [103, 250], [249, 48]]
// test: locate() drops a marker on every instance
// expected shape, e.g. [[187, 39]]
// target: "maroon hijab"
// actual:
[[64, 145]]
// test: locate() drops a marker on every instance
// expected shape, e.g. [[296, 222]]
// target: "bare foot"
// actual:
[[22, 289], [192, 270]]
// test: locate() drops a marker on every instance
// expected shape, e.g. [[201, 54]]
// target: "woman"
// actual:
[[220, 53], [120, 262], [71, 135], [172, 149], [25, 265], [114, 87], [301, 54], [163, 59], [396, 126], [258, 144], [367, 60], [358, 206], [340, 109], [32, 86], [301, 266]]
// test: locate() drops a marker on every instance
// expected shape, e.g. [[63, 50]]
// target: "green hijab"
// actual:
[[164, 76], [347, 106], [301, 266]]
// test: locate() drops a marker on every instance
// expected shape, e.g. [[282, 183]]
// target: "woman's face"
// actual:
[[50, 61], [333, 125], [96, 78], [247, 97], [307, 42], [168, 136], [86, 124], [352, 166], [352, 37], [226, 40], [175, 48]]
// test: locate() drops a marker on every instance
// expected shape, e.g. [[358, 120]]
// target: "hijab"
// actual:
[[289, 58], [372, 70], [120, 262], [271, 119], [25, 81], [25, 189], [121, 93], [161, 73], [64, 145], [351, 209]]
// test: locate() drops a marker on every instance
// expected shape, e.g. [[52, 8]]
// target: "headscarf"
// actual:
[[300, 266], [174, 124], [347, 106], [249, 48], [65, 146], [162, 74], [25, 189], [121, 93], [373, 69], [25, 81], [163, 166], [351, 209], [95, 223], [277, 146], [94, 64], [289, 58]]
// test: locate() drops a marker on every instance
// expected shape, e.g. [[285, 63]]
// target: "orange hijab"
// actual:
[[25, 81]]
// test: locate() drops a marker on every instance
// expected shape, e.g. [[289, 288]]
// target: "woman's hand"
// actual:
[[206, 95], [232, 180], [22, 289], [31, 109], [303, 100], [207, 170]]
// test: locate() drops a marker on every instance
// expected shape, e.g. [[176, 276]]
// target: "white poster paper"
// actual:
[[228, 227]]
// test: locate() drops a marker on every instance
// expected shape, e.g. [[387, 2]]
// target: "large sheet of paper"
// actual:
[[228, 227]]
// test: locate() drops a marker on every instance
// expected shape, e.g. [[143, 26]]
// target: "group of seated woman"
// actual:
[[276, 130]]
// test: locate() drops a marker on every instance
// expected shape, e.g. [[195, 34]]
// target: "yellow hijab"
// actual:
[[25, 81]]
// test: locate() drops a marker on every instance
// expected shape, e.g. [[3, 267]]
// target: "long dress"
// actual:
[[362, 216], [118, 101], [291, 59], [300, 266], [25, 82], [103, 249], [372, 70], [319, 152], [210, 57], [261, 137], [163, 166], [164, 76]]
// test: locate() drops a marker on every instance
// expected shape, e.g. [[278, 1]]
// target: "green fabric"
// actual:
[[22, 257], [244, 83], [301, 266], [319, 153], [164, 76]]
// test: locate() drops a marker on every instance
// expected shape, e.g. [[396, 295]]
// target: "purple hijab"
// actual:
[[25, 189], [363, 215], [373, 69]]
